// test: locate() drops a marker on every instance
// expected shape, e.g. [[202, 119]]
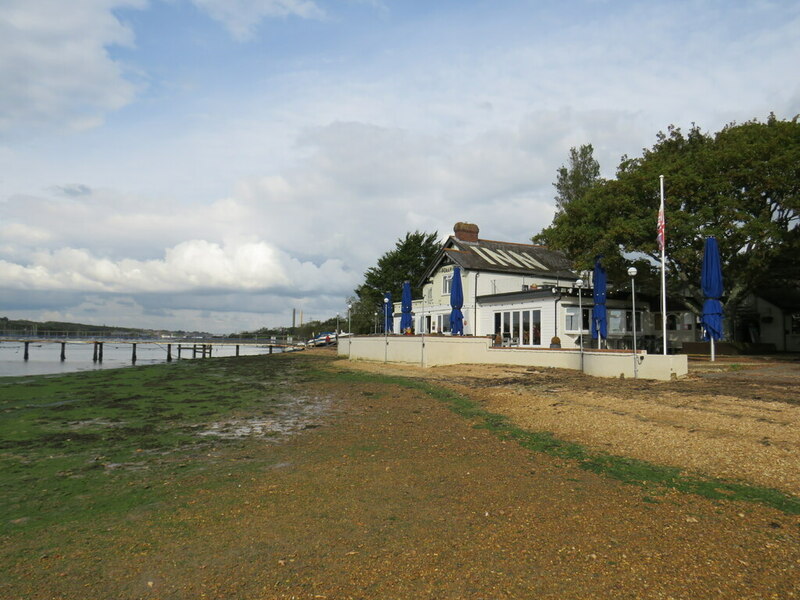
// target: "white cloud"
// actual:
[[54, 64], [194, 265], [241, 17]]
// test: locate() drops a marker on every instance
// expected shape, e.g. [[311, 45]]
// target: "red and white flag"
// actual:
[[661, 237]]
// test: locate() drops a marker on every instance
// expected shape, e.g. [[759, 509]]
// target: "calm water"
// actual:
[[45, 358]]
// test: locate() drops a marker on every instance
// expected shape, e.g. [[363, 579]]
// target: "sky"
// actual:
[[212, 165]]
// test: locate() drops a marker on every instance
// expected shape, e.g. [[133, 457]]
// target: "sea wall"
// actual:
[[429, 351]]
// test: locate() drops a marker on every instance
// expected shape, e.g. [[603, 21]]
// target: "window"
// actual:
[[796, 323], [672, 322], [629, 317], [526, 327], [518, 327], [536, 327], [447, 284], [616, 321], [572, 318]]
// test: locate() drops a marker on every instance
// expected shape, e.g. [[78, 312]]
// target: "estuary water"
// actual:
[[44, 358]]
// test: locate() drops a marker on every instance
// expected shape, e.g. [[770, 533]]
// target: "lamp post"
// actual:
[[375, 327], [337, 325], [349, 329], [385, 330], [579, 285], [632, 273], [422, 329], [386, 313]]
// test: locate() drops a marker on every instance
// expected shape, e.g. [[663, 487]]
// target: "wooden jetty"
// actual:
[[199, 348]]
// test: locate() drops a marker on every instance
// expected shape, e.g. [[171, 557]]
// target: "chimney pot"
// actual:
[[466, 232]]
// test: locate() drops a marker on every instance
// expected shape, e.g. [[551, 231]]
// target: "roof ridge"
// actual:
[[513, 243]]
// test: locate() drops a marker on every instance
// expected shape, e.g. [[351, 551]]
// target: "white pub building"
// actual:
[[522, 295]]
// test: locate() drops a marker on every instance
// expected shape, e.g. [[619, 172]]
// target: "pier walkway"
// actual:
[[198, 346]]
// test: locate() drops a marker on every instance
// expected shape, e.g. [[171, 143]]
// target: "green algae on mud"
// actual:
[[81, 446]]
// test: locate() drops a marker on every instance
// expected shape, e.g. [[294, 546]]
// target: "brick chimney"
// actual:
[[466, 232]]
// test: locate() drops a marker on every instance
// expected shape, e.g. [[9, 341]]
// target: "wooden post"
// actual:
[[194, 350], [25, 356], [169, 352], [270, 348], [133, 353], [63, 351], [179, 351], [100, 353], [94, 352], [237, 349]]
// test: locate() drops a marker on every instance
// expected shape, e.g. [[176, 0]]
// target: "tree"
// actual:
[[407, 261], [576, 179], [741, 185]]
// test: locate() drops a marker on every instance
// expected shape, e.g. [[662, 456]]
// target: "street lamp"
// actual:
[[385, 330], [632, 273], [376, 323], [386, 313], [579, 285], [349, 329], [422, 330], [337, 325]]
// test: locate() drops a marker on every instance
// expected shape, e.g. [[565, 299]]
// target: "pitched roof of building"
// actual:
[[502, 257]]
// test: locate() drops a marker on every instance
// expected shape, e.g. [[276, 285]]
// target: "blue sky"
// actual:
[[212, 164]]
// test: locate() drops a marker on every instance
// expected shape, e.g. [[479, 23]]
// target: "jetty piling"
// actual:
[[199, 349]]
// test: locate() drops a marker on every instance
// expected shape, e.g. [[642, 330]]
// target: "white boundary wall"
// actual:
[[448, 350]]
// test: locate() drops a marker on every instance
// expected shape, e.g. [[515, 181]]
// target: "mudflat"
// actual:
[[393, 493]]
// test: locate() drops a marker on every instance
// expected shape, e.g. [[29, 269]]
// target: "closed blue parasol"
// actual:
[[711, 281], [406, 320], [599, 320], [388, 321], [456, 302]]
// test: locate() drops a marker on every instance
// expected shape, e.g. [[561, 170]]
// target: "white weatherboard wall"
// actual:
[[430, 351]]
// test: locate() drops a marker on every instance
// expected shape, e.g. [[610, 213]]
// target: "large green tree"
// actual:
[[407, 261], [576, 177], [741, 185]]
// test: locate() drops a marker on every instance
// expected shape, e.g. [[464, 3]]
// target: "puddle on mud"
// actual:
[[298, 414]]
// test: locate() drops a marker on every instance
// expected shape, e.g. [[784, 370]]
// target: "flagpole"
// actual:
[[662, 226]]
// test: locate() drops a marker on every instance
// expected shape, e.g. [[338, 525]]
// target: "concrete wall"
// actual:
[[447, 350]]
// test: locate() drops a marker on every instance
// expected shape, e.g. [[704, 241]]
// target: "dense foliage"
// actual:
[[406, 262], [22, 326], [578, 177], [741, 185]]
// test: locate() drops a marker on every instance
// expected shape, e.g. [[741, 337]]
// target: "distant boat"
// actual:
[[323, 339]]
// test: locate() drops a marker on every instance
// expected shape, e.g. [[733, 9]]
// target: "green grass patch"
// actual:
[[652, 477], [84, 445]]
